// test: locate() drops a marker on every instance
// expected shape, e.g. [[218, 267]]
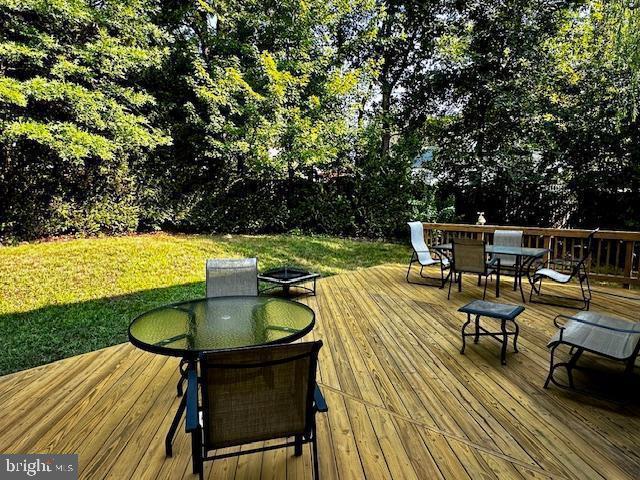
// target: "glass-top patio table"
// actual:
[[525, 256], [189, 328]]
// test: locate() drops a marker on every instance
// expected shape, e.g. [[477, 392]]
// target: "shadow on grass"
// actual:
[[54, 332]]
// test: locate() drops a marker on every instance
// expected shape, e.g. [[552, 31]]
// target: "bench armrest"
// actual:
[[605, 327], [318, 400], [192, 421]]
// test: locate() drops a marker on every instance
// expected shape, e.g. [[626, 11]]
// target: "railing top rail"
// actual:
[[542, 231]]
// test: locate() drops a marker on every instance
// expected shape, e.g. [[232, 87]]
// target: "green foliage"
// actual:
[[73, 114], [270, 116]]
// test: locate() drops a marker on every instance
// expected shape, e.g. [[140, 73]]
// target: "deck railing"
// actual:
[[615, 254]]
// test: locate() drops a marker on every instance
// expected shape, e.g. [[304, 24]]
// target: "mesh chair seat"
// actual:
[[249, 396], [613, 343], [423, 257], [425, 260], [254, 394], [469, 256], [603, 335], [579, 271], [553, 275]]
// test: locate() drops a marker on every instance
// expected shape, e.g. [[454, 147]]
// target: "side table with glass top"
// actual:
[[187, 329]]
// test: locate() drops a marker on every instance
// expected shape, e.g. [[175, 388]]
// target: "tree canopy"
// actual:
[[263, 116]]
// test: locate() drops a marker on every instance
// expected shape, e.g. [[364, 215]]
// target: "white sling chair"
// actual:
[[422, 256]]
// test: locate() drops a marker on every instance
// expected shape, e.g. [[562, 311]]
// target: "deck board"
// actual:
[[404, 403]]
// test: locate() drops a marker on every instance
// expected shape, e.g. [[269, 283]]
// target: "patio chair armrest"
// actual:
[[192, 421], [438, 254], [495, 261], [318, 400], [581, 320]]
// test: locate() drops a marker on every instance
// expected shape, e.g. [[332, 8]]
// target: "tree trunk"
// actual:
[[386, 118]]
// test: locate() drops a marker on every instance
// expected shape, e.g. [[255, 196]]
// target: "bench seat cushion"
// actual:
[[618, 345]]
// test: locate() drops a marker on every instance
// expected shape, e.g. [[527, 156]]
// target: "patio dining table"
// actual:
[[524, 256], [189, 328]]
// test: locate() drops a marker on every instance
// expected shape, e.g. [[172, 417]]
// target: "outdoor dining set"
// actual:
[[600, 334], [245, 380]]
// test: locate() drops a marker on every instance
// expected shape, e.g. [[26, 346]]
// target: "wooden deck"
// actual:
[[403, 402]]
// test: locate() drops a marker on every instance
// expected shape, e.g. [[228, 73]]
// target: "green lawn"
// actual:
[[63, 298]]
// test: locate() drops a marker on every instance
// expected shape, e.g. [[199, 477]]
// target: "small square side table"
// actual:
[[499, 311]]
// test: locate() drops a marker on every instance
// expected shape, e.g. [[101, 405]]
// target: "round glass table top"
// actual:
[[187, 328]]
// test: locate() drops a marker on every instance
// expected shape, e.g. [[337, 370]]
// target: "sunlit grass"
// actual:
[[63, 298]]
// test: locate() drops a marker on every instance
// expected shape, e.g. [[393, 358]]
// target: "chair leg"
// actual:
[[196, 453], [180, 386], [477, 336], [498, 281], [505, 342], [571, 364], [298, 446], [486, 281], [314, 445], [410, 263], [586, 297], [460, 282], [182, 379], [551, 367], [452, 275]]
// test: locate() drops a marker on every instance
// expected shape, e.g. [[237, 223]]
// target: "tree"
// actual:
[[477, 100], [72, 118]]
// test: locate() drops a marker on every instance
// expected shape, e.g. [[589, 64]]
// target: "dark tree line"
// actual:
[[264, 116]]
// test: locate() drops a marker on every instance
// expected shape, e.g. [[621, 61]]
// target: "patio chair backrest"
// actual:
[[232, 276], [586, 253], [417, 237], [507, 238], [258, 393], [469, 255]]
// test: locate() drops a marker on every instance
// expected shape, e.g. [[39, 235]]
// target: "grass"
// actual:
[[67, 297]]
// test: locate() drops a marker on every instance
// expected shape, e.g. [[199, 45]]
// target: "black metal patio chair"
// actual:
[[423, 257], [252, 395], [509, 263], [578, 271], [470, 256], [226, 277], [232, 276]]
